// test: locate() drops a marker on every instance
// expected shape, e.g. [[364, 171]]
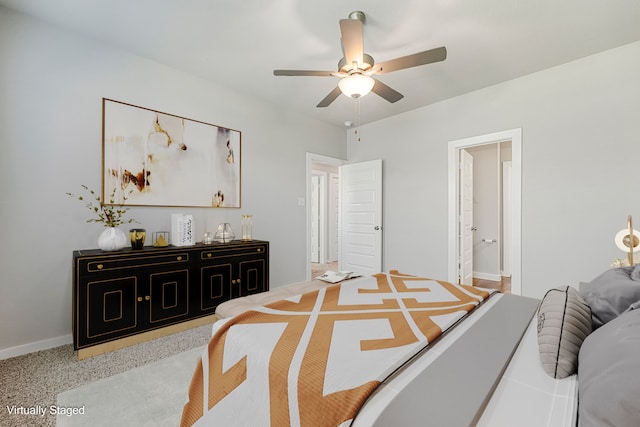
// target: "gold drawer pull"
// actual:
[[179, 258], [147, 298], [100, 266], [209, 255], [139, 299], [238, 281], [259, 249], [233, 282]]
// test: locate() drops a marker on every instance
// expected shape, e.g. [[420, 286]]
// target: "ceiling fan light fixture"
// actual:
[[356, 85], [356, 67]]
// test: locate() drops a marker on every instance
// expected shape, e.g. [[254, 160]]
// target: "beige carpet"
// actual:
[[35, 380], [152, 395]]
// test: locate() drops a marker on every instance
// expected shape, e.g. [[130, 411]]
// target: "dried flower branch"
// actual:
[[111, 215]]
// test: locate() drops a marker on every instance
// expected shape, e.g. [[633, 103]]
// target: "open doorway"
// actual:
[[358, 215], [325, 186], [493, 233], [486, 181], [323, 217]]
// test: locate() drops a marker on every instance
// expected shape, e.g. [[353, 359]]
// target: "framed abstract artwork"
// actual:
[[158, 159]]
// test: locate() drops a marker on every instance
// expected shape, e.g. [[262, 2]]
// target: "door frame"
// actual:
[[465, 234], [506, 215], [317, 201], [515, 136], [314, 158]]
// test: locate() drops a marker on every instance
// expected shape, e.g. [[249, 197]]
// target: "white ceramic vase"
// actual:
[[112, 239]]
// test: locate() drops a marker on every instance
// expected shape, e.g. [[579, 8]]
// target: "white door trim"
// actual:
[[466, 223], [313, 157], [333, 220], [515, 136], [506, 214], [317, 219]]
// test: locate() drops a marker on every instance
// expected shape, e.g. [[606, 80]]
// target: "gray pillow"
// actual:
[[609, 374], [610, 294], [564, 321]]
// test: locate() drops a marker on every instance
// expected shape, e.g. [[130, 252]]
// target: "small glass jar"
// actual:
[[225, 233]]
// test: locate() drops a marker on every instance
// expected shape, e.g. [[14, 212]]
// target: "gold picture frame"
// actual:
[[158, 159]]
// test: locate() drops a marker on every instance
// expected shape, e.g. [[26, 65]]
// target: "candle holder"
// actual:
[[207, 239], [137, 236], [160, 239], [247, 227]]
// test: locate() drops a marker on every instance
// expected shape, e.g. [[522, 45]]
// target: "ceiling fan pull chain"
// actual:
[[356, 113]]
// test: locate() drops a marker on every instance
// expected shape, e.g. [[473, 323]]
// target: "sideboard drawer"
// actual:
[[97, 265]]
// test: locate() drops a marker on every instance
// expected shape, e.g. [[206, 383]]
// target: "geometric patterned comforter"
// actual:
[[313, 359]]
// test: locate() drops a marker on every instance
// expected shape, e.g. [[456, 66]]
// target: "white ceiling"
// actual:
[[238, 43]]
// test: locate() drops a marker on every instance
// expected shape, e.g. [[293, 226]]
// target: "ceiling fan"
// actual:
[[357, 67]]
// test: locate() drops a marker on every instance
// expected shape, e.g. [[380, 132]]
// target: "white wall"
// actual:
[[51, 86], [580, 152]]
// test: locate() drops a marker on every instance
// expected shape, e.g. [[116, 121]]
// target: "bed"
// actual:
[[482, 368]]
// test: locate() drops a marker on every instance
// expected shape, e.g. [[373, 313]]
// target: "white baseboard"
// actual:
[[487, 276], [20, 350]]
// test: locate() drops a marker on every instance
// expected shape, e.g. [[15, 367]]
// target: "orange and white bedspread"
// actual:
[[313, 359]]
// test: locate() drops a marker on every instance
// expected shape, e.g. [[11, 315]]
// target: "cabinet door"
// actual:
[[215, 285], [168, 296], [111, 308], [252, 278]]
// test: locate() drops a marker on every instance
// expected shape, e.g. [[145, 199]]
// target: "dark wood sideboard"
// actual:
[[124, 297]]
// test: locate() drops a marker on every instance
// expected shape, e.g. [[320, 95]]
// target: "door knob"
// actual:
[[474, 228], [377, 227]]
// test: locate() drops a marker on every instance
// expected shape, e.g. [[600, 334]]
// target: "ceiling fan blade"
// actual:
[[386, 92], [421, 58], [330, 98], [302, 73], [352, 41]]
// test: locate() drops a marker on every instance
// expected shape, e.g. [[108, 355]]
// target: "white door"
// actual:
[[361, 217], [466, 218], [315, 218]]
